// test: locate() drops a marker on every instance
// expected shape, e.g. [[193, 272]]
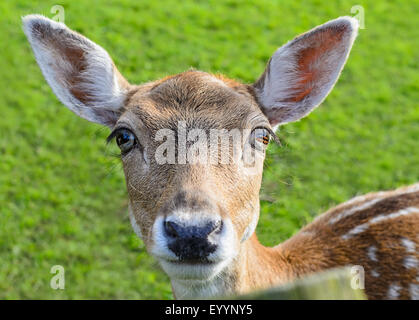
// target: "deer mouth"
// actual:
[[193, 262], [192, 269]]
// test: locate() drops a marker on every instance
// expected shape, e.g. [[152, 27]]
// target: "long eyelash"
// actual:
[[114, 132], [274, 137], [112, 135], [272, 134]]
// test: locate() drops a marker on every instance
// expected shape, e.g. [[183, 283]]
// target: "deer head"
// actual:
[[195, 217]]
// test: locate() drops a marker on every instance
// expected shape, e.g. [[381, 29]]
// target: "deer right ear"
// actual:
[[81, 73], [301, 73]]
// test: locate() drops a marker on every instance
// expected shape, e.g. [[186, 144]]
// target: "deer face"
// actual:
[[193, 213], [193, 199]]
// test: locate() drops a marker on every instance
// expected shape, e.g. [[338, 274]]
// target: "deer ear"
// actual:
[[81, 73], [301, 73]]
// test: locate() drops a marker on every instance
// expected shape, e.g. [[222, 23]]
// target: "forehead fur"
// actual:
[[200, 99]]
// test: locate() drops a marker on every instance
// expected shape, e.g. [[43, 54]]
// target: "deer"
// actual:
[[198, 219]]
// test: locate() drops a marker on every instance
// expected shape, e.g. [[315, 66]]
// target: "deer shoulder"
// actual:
[[377, 231]]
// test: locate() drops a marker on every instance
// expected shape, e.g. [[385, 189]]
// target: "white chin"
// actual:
[[196, 271]]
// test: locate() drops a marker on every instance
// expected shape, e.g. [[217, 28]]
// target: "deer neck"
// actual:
[[259, 267], [255, 267]]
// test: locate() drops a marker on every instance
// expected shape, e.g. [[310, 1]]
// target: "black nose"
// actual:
[[192, 243]]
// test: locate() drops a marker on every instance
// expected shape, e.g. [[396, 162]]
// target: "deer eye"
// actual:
[[259, 138], [125, 140]]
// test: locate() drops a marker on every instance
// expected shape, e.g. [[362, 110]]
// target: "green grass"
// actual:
[[62, 193]]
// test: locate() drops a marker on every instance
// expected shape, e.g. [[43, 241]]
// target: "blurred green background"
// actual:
[[62, 194]]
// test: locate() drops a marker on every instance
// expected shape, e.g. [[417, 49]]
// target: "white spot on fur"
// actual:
[[353, 210], [414, 291], [410, 262], [393, 291], [363, 227], [375, 274], [394, 215], [372, 253], [359, 229], [409, 245], [354, 200]]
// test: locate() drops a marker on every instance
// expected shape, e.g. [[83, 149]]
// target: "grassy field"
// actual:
[[62, 193]]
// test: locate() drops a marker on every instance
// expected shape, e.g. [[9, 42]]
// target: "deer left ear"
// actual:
[[80, 72], [301, 73]]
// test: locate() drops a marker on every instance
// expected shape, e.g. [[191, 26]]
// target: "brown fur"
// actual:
[[319, 245]]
